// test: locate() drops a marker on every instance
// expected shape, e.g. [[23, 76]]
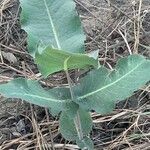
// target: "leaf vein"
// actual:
[[108, 85], [52, 24]]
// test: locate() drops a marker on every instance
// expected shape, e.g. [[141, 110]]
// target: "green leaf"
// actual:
[[94, 54], [32, 92], [85, 143], [67, 126], [70, 107], [52, 22], [52, 60], [101, 88]]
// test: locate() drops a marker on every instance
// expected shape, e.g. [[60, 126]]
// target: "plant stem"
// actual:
[[77, 121]]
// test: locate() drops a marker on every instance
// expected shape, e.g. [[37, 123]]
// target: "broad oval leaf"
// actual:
[[101, 88], [52, 22], [52, 60], [67, 126], [31, 91]]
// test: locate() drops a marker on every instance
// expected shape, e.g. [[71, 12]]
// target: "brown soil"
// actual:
[[23, 126]]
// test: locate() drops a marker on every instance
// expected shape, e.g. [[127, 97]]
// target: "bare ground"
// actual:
[[116, 28]]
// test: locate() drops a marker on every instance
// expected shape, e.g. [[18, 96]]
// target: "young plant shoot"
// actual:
[[56, 42]]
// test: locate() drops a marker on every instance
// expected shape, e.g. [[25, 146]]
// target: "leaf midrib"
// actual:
[[52, 25], [45, 98], [108, 85]]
